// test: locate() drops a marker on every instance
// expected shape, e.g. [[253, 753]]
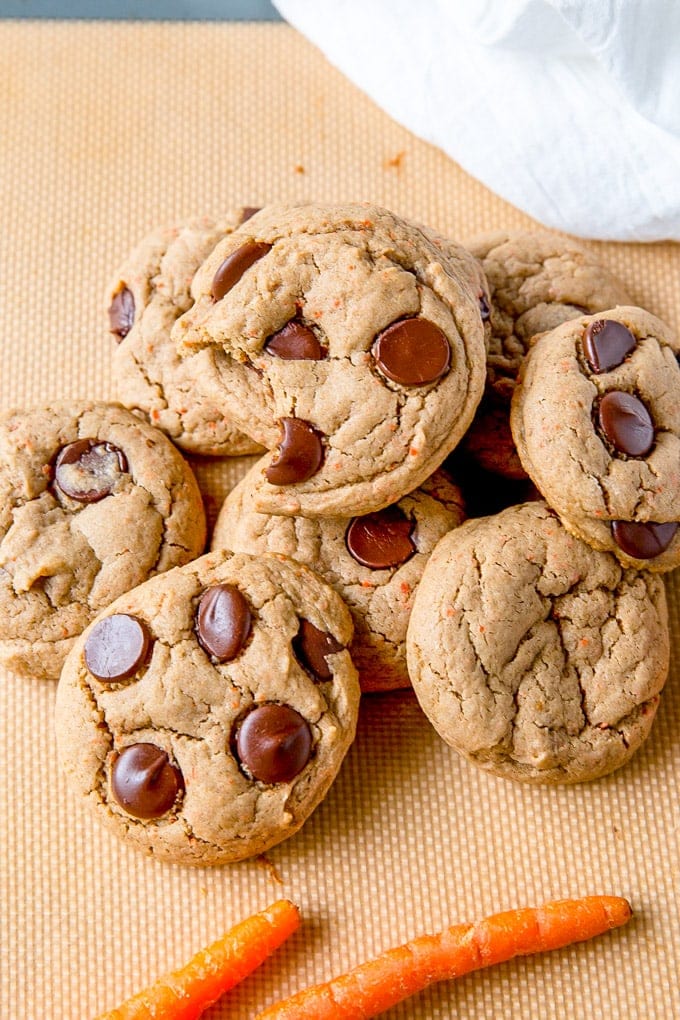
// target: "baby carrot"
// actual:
[[372, 987], [185, 993]]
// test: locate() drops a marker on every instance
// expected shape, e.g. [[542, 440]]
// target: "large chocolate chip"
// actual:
[[412, 352], [274, 743], [116, 647], [626, 423], [643, 540], [311, 646], [299, 455], [235, 265], [122, 313], [144, 782], [381, 539], [607, 344], [87, 470], [223, 621], [295, 342]]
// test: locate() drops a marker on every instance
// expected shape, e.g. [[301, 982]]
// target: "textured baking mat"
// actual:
[[108, 130]]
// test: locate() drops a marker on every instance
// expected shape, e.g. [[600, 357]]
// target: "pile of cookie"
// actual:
[[392, 382]]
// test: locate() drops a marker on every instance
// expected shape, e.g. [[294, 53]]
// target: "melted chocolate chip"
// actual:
[[295, 342], [144, 782], [235, 265], [626, 423], [311, 646], [87, 470], [643, 540], [116, 647], [223, 621], [274, 743], [381, 539], [412, 352], [122, 313], [299, 454], [484, 309], [249, 210], [607, 344]]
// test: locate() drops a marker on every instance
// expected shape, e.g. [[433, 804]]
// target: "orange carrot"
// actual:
[[185, 993], [377, 985]]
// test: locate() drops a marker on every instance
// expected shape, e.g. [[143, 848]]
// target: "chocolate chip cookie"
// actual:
[[145, 297], [373, 561], [534, 656], [596, 420], [349, 343], [92, 502], [205, 714], [537, 280]]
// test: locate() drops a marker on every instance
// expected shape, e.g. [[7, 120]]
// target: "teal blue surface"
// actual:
[[138, 10]]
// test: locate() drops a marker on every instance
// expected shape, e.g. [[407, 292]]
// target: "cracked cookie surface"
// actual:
[[215, 734], [92, 502], [537, 280], [145, 297], [534, 656], [373, 562], [350, 344], [596, 421]]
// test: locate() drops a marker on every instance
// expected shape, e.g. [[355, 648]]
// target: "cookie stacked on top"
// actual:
[[205, 712]]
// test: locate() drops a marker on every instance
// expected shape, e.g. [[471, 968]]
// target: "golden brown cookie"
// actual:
[[92, 502], [596, 420], [349, 343], [373, 561], [205, 714], [534, 656], [537, 280], [144, 298]]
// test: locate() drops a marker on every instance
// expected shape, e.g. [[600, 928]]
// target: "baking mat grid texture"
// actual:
[[108, 130]]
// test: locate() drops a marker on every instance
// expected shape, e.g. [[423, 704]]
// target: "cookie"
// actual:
[[146, 295], [205, 714], [534, 656], [92, 502], [537, 280], [349, 343], [596, 421], [374, 562]]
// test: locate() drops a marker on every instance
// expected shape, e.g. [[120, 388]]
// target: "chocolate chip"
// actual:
[[295, 342], [626, 423], [87, 470], [607, 343], [381, 539], [235, 265], [484, 309], [311, 646], [249, 210], [144, 782], [299, 455], [223, 621], [412, 352], [274, 743], [122, 313], [643, 540], [116, 647]]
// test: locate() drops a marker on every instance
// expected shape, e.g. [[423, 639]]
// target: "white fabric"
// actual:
[[569, 109]]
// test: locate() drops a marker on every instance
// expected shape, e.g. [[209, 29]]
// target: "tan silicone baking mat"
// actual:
[[107, 130]]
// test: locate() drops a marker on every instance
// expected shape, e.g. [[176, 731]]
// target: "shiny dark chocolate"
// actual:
[[273, 743], [144, 782], [381, 539], [412, 352], [88, 470], [607, 343], [627, 424], [223, 621], [116, 647], [299, 454], [311, 646], [122, 313], [235, 265]]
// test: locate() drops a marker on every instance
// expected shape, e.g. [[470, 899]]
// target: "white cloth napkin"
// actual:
[[569, 109]]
